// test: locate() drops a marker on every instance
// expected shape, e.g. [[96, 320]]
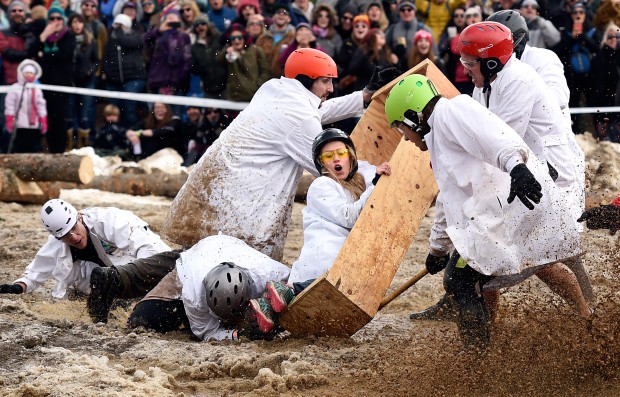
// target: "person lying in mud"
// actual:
[[480, 171], [193, 294], [334, 202], [208, 289], [81, 241], [603, 217]]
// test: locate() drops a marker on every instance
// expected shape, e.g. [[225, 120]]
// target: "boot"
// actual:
[[444, 310], [279, 295], [105, 286], [70, 144], [474, 324], [83, 139]]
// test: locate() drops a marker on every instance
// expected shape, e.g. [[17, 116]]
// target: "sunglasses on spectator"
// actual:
[[406, 9], [459, 15], [186, 9], [255, 23], [91, 5], [347, 18], [282, 12], [329, 156], [212, 111], [613, 36], [578, 12], [474, 15], [16, 10], [236, 37], [55, 18]]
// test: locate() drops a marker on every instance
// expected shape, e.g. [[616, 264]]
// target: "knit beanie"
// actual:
[[57, 8], [422, 34], [251, 3]]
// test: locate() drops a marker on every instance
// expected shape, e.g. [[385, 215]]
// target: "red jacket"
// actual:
[[13, 51]]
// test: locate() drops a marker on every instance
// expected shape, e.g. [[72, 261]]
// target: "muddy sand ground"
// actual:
[[540, 348]]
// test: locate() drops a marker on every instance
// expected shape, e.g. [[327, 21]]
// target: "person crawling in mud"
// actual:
[[334, 202], [480, 172], [603, 217], [83, 241]]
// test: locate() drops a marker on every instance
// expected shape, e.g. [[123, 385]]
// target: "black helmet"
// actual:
[[514, 21], [228, 289], [329, 135]]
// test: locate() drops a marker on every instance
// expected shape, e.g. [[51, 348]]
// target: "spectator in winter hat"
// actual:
[[121, 4]]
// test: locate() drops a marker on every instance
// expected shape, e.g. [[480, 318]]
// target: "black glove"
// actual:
[[11, 289], [603, 217], [553, 172], [524, 185], [381, 77], [435, 264]]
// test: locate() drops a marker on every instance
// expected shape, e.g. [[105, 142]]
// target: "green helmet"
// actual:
[[410, 94]]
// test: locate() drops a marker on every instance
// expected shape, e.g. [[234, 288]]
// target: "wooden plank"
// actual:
[[321, 309], [348, 296], [374, 140], [385, 229]]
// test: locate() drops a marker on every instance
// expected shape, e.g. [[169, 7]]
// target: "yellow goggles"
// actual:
[[329, 156]]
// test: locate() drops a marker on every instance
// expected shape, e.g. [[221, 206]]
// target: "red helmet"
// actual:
[[310, 62], [486, 40]]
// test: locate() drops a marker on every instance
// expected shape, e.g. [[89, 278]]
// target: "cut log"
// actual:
[[49, 167], [14, 189], [302, 187], [348, 296], [157, 183]]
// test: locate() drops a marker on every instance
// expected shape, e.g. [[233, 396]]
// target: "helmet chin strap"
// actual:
[[408, 120]]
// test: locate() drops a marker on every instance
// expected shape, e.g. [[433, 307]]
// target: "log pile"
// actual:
[[34, 178]]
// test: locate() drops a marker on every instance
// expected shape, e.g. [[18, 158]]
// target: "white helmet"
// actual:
[[58, 217]]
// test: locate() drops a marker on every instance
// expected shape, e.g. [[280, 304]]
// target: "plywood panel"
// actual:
[[374, 140], [322, 310], [348, 296]]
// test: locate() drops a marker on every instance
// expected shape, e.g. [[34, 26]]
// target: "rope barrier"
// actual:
[[211, 103]]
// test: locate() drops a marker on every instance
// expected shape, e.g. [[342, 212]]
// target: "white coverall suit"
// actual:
[[119, 237], [244, 184]]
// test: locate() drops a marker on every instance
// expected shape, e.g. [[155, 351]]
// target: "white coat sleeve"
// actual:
[[439, 239], [326, 199], [204, 324], [496, 144], [341, 108], [43, 265], [298, 144]]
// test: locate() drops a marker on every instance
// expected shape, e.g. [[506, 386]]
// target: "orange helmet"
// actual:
[[310, 62]]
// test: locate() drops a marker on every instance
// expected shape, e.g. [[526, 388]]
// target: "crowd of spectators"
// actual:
[[225, 49]]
